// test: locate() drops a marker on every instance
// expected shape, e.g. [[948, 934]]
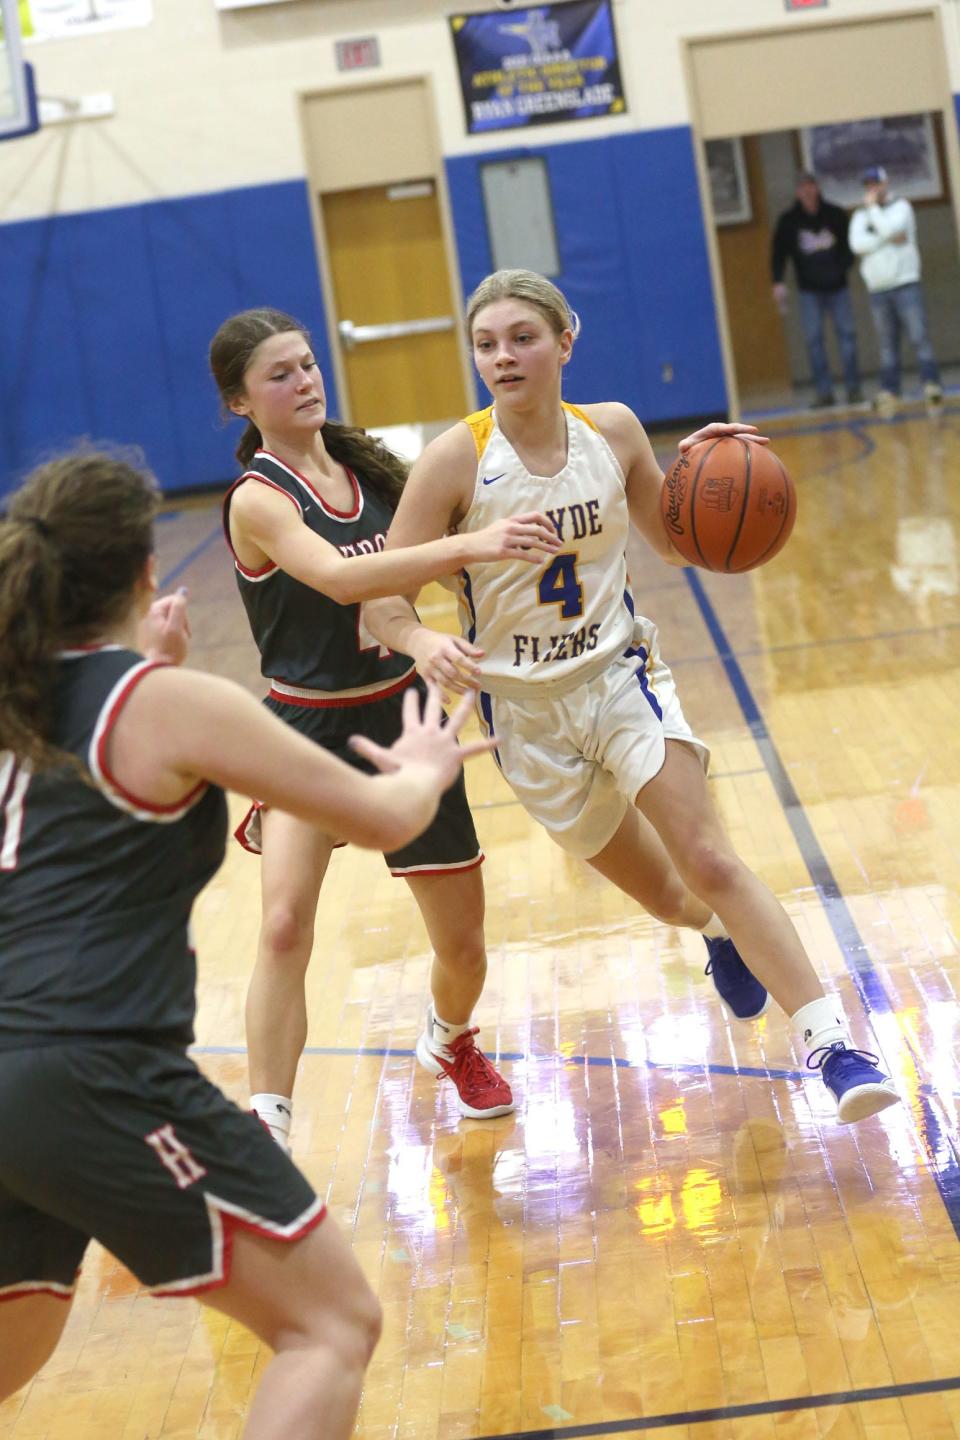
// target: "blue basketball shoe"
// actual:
[[854, 1081], [741, 992]]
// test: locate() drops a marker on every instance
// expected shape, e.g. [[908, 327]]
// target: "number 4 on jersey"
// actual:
[[560, 585]]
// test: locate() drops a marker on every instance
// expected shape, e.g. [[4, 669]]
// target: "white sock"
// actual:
[[442, 1033], [714, 929], [821, 1022], [276, 1112]]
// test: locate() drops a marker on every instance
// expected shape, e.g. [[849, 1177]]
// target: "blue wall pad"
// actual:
[[107, 317], [108, 314], [634, 265]]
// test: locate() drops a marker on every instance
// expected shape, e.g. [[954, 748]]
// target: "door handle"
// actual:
[[352, 335]]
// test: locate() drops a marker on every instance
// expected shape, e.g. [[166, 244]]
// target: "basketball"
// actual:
[[728, 505]]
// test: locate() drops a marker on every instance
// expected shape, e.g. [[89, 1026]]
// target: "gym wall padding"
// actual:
[[108, 314], [107, 317], [634, 265]]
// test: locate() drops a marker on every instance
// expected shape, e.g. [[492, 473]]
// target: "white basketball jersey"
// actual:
[[556, 624]]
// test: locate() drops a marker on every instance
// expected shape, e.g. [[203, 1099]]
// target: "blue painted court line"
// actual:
[[737, 1412], [752, 652], [167, 580], [610, 1062], [940, 1144], [868, 447], [553, 1057]]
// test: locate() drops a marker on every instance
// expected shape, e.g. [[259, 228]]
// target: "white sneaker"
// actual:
[[885, 402], [933, 392]]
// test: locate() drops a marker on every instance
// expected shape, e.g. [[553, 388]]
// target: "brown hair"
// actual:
[[231, 351], [530, 287], [73, 543]]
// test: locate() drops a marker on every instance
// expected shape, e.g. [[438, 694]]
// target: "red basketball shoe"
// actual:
[[482, 1093]]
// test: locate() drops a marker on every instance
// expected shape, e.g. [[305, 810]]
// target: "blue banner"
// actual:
[[538, 66]]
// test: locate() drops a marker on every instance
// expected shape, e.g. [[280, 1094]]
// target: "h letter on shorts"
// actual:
[[175, 1155]]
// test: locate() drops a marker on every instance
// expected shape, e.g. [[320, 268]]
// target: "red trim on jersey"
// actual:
[[51, 1288], [246, 833], [128, 795], [457, 865], [225, 520], [324, 504], [230, 1224], [338, 704], [254, 574], [242, 832]]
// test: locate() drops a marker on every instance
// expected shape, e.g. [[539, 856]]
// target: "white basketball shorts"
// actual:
[[576, 761]]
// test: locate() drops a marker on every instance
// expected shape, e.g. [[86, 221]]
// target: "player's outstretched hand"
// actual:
[[165, 629], [425, 740], [520, 537], [447, 661], [717, 429]]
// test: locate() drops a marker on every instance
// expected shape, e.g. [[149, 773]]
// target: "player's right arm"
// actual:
[[179, 727], [437, 494], [265, 523]]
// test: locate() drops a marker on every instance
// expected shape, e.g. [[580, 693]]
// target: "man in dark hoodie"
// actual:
[[813, 234]]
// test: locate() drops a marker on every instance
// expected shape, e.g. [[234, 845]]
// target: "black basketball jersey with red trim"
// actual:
[[305, 638], [97, 885]]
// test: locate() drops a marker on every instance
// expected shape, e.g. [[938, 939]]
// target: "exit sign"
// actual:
[[361, 54], [805, 4]]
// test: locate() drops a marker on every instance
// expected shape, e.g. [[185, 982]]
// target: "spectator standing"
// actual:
[[813, 234], [883, 232]]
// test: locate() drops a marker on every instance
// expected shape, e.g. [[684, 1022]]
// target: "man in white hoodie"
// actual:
[[883, 232]]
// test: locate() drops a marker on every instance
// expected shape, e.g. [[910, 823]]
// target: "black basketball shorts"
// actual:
[[450, 841], [127, 1143]]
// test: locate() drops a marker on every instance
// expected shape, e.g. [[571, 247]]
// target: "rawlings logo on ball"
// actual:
[[675, 484]]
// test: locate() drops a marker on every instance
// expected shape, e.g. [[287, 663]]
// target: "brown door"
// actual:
[[760, 355], [397, 322]]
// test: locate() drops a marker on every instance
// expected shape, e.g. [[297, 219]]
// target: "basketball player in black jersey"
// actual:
[[306, 523], [111, 822]]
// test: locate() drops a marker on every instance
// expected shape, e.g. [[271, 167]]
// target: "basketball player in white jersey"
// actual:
[[589, 729]]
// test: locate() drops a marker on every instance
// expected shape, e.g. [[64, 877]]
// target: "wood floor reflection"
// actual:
[[672, 1235]]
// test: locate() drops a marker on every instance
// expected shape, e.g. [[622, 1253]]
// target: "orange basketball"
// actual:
[[728, 505]]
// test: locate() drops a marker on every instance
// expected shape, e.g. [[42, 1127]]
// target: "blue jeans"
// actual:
[[815, 305], [893, 312]]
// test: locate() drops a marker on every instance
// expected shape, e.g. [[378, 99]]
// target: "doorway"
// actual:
[[802, 76], [386, 255], [398, 327]]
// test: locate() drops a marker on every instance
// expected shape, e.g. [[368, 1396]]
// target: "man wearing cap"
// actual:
[[813, 234], [883, 232]]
